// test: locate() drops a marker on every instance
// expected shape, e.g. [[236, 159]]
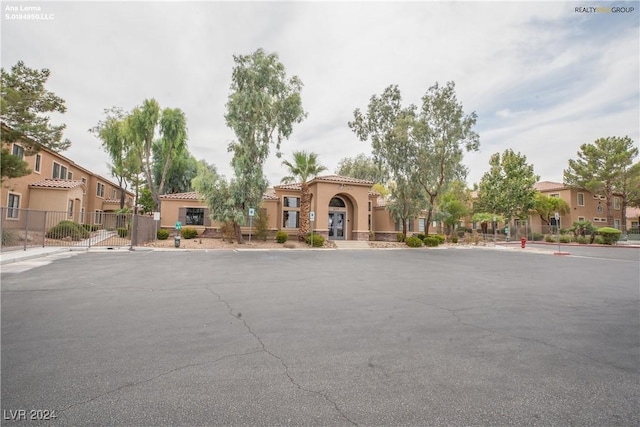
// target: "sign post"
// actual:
[[312, 217], [252, 212], [557, 218], [176, 240]]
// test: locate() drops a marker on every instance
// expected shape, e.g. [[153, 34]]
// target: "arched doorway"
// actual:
[[337, 218]]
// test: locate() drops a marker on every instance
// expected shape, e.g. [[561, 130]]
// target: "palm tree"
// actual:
[[303, 168]]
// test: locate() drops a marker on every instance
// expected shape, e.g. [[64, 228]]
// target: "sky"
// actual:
[[543, 77]]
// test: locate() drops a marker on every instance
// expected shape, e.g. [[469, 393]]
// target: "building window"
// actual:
[[84, 180], [291, 202], [599, 208], [421, 224], [97, 217], [616, 203], [554, 195], [59, 171], [581, 218], [18, 151], [337, 202], [369, 222], [369, 205], [100, 190], [194, 216], [580, 199], [36, 167], [409, 225], [616, 223], [70, 175], [70, 208], [13, 205], [290, 219]]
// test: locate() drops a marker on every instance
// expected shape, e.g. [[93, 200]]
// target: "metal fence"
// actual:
[[24, 228]]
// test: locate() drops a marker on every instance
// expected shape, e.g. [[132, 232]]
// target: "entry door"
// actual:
[[336, 225]]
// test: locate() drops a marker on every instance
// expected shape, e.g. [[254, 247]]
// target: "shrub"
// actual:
[[461, 231], [400, 237], [431, 241], [261, 225], [420, 236], [537, 237], [162, 234], [122, 232], [413, 242], [565, 238], [454, 239], [68, 229], [440, 237], [598, 240], [583, 240], [281, 236], [188, 232], [609, 235], [90, 227], [549, 238], [8, 237], [318, 240]]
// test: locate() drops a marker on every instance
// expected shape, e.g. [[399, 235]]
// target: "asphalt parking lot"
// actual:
[[322, 337]]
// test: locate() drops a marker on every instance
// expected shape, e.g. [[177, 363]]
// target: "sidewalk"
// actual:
[[23, 255]]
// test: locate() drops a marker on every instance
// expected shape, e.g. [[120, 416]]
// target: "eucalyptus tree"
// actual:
[[362, 167], [600, 166], [507, 188], [116, 141], [441, 134], [386, 124], [173, 128], [141, 125], [405, 201], [304, 167], [262, 108], [182, 170]]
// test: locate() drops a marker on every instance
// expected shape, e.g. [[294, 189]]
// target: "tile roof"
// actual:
[[548, 186], [294, 186], [270, 194], [191, 195], [340, 178], [57, 183]]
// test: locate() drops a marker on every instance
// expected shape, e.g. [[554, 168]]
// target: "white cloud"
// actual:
[[542, 78]]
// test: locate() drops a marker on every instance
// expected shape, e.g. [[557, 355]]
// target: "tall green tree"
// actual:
[[362, 167], [507, 188], [454, 204], [12, 166], [173, 128], [441, 134], [25, 105], [628, 186], [387, 124], [404, 203], [262, 108], [302, 169], [142, 125], [600, 166], [117, 142], [182, 170]]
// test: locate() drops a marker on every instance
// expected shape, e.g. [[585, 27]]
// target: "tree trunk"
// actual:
[[305, 208], [238, 231]]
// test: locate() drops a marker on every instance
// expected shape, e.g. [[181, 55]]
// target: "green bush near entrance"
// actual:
[[431, 241], [163, 234], [609, 235], [122, 232], [414, 242], [68, 229], [281, 236], [318, 240], [188, 232]]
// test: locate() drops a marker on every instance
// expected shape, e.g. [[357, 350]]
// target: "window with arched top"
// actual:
[[337, 202]]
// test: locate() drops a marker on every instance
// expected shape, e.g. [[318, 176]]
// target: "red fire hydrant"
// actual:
[[523, 241]]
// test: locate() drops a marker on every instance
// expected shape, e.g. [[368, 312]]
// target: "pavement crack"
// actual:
[[155, 377], [287, 372]]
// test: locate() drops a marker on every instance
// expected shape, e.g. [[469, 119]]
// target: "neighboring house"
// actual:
[[584, 206], [56, 183], [633, 220]]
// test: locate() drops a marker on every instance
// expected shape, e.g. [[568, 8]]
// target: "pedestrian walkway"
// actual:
[[351, 244]]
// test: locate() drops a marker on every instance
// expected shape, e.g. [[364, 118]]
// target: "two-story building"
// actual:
[[57, 183]]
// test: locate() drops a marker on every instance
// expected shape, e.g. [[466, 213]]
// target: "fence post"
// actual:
[[44, 229], [134, 232]]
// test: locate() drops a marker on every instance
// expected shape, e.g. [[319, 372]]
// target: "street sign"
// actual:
[[252, 211], [178, 225], [156, 216], [312, 216]]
